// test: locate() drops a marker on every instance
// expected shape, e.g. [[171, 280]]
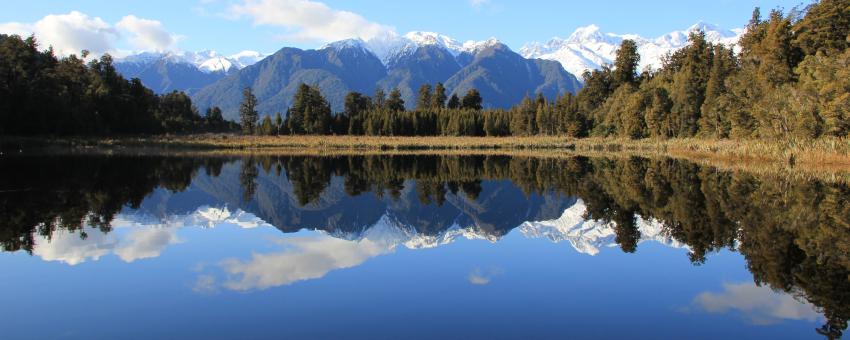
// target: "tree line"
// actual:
[[790, 79], [381, 114], [41, 94]]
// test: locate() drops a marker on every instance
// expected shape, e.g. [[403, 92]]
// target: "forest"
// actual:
[[790, 79], [787, 78], [41, 94]]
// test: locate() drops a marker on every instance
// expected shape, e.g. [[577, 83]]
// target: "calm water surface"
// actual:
[[403, 247]]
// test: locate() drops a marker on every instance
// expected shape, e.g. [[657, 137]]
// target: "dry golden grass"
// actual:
[[827, 158]]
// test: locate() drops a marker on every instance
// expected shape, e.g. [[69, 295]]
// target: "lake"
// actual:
[[417, 246]]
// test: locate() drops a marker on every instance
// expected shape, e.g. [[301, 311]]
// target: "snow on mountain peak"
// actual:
[[431, 38], [588, 236], [345, 44], [588, 48], [207, 61], [246, 58], [586, 33], [392, 47], [474, 47]]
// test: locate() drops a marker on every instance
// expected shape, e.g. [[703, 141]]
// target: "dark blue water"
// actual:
[[416, 247]]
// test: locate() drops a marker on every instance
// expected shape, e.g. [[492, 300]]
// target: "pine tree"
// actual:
[[278, 123], [266, 127], [454, 102], [425, 98], [689, 85], [356, 108], [248, 114], [714, 119], [626, 63], [438, 101], [379, 100], [824, 28], [394, 102], [472, 100]]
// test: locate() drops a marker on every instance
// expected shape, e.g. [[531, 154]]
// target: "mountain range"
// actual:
[[588, 48], [183, 71], [406, 62]]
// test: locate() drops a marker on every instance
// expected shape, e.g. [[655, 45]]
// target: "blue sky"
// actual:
[[229, 26]]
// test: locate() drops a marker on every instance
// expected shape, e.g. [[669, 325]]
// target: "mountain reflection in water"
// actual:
[[793, 233]]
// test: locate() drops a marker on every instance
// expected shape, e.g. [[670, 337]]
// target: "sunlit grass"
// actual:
[[826, 158]]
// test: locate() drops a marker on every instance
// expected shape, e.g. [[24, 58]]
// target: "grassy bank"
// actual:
[[821, 153], [824, 159]]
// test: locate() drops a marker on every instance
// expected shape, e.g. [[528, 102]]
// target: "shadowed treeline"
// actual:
[[39, 195], [794, 233]]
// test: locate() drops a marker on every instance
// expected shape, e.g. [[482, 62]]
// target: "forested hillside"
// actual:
[[41, 94]]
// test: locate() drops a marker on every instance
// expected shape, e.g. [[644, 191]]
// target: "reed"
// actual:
[[827, 154]]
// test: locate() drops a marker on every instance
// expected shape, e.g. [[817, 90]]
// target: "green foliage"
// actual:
[[824, 28], [40, 94], [438, 100], [626, 63], [788, 81], [454, 102], [394, 102], [310, 112], [425, 98], [472, 100], [248, 114]]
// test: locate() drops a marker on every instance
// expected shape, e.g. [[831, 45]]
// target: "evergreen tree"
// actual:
[[356, 109], [438, 101], [689, 85], [454, 102], [824, 28], [379, 100], [266, 127], [277, 125], [472, 100], [394, 102], [714, 119], [425, 98], [626, 63], [248, 114]]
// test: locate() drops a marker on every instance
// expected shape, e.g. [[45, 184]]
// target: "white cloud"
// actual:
[[482, 277], [478, 4], [305, 258], [147, 35], [75, 31], [205, 285], [309, 20], [759, 305], [70, 248], [146, 243], [24, 30]]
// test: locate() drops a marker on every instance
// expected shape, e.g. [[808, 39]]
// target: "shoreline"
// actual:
[[820, 155]]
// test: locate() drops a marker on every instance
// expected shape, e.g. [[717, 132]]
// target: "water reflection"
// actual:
[[793, 233], [759, 304]]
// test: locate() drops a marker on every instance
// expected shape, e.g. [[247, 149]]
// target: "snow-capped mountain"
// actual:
[[588, 236], [406, 62], [392, 48], [139, 236], [207, 61], [585, 236], [588, 48], [183, 71]]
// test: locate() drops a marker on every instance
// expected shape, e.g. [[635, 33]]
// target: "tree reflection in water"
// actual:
[[794, 233]]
